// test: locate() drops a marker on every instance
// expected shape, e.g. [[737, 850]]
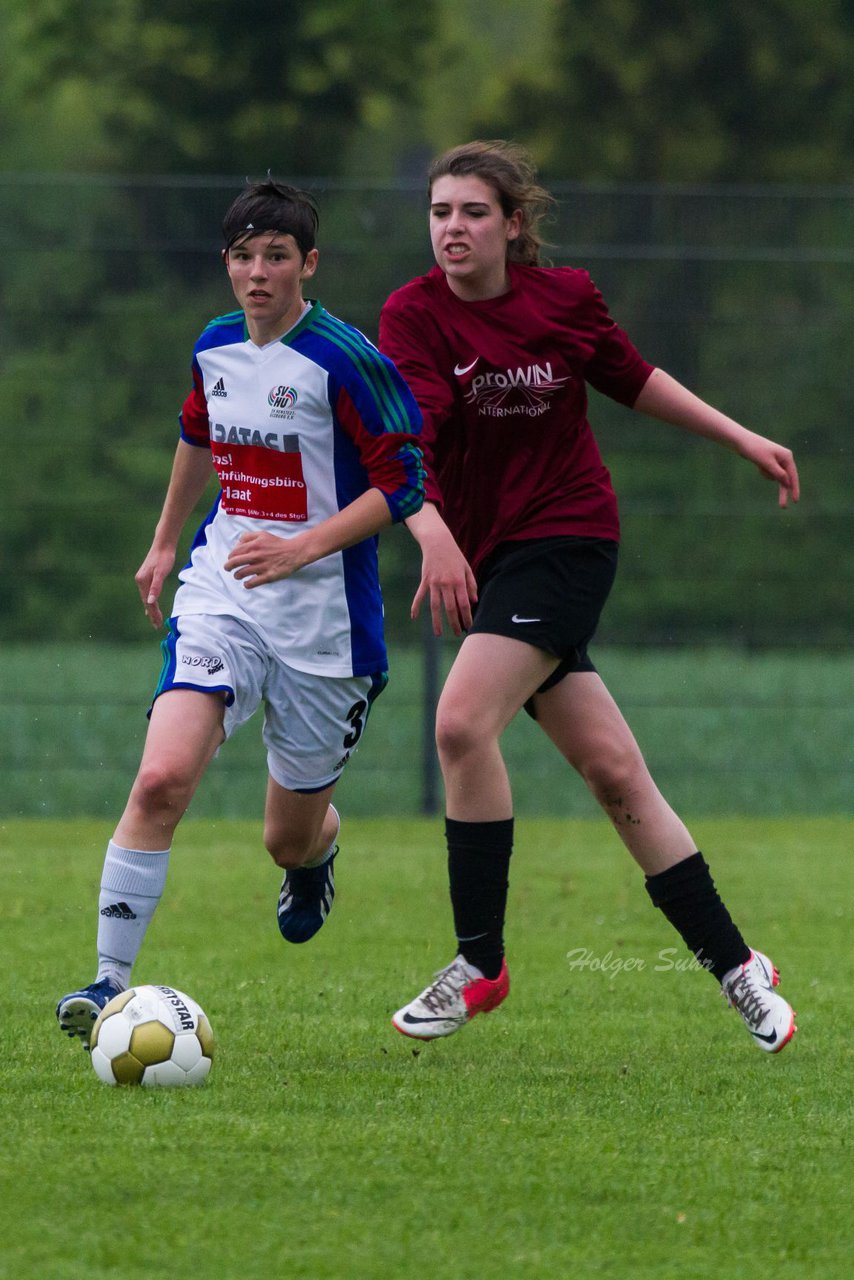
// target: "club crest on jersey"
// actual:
[[515, 391], [281, 401]]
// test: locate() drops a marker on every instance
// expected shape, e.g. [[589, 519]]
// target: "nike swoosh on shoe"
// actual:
[[408, 1017]]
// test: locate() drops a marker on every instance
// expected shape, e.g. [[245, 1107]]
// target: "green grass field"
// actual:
[[605, 1122]]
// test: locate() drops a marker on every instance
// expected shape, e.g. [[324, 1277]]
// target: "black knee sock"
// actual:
[[478, 868], [687, 895]]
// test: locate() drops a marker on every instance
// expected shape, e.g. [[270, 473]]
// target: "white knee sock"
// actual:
[[131, 886]]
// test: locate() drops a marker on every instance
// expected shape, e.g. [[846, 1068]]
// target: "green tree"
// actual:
[[195, 87], [672, 90]]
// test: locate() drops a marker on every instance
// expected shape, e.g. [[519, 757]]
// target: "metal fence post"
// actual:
[[430, 648]]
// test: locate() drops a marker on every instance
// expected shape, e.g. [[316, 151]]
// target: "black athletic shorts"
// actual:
[[548, 592]]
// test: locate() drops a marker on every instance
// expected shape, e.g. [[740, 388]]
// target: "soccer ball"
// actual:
[[152, 1036]]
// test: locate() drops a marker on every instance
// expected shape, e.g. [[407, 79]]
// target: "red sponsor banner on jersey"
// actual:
[[261, 483]]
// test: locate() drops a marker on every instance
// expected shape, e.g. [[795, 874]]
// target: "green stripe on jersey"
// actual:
[[230, 317], [372, 367], [305, 320]]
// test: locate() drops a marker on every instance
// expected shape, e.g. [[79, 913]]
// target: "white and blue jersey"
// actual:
[[298, 430]]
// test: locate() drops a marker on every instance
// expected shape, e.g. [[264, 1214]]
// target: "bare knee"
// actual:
[[613, 771], [161, 792], [457, 735]]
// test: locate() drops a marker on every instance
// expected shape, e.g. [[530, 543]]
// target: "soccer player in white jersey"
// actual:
[[312, 433]]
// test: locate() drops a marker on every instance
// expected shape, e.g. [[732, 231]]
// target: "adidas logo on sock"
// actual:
[[219, 389], [118, 911]]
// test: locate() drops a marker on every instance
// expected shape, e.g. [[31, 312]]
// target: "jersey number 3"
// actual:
[[355, 717]]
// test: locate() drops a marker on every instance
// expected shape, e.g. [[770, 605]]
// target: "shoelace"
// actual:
[[449, 983], [746, 995]]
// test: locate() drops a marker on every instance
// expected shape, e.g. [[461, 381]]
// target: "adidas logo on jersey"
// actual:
[[219, 389], [118, 911]]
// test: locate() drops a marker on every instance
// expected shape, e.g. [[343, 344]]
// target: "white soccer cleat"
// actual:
[[767, 1016], [457, 994]]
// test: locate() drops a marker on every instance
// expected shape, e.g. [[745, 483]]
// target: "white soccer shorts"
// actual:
[[312, 723]]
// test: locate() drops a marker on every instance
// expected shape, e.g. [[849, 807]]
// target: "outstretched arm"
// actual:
[[191, 471], [664, 398]]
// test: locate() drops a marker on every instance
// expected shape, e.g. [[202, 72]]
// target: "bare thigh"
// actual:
[[584, 722], [184, 733], [491, 679]]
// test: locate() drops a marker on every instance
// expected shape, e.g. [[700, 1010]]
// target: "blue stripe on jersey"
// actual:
[[201, 536], [380, 394], [222, 331], [365, 605], [360, 564], [375, 368]]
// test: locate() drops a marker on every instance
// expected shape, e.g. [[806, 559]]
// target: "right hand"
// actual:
[[149, 578], [447, 577]]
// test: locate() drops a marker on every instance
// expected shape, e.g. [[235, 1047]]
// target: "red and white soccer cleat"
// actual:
[[767, 1016], [452, 999]]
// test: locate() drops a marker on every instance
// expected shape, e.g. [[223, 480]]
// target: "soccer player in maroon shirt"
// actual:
[[519, 538]]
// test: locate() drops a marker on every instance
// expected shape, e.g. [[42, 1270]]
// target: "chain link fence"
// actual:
[[746, 294]]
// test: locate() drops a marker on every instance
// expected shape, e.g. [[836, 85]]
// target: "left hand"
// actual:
[[776, 462], [664, 398], [258, 558]]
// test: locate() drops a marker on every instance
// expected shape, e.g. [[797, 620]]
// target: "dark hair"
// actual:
[[510, 171], [271, 206]]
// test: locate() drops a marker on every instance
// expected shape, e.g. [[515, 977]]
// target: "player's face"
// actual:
[[267, 273], [470, 234]]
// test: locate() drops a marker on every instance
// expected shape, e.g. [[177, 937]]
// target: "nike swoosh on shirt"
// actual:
[[459, 371], [516, 618]]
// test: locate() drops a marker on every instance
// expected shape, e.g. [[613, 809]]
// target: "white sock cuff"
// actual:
[[134, 871]]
